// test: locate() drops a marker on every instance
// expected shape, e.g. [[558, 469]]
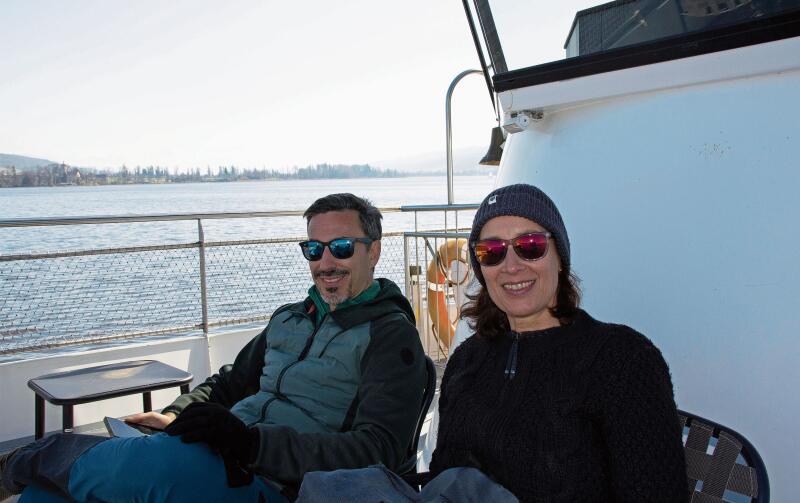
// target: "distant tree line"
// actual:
[[63, 174], [44, 176]]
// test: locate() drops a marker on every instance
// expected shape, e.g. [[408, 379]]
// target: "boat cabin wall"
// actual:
[[682, 207]]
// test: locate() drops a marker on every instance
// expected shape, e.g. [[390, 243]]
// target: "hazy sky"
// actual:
[[184, 83]]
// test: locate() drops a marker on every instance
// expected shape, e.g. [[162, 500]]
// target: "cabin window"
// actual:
[[528, 37]]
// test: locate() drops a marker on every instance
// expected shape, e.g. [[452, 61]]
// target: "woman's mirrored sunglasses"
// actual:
[[341, 248], [531, 246]]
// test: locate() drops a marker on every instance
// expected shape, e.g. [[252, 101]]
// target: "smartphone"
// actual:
[[119, 428], [147, 430]]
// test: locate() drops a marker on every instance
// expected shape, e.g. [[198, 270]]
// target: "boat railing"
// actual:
[[161, 275]]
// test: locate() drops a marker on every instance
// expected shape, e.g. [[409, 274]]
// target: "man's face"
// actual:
[[340, 279]]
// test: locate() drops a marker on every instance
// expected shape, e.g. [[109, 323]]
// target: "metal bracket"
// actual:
[[522, 120]]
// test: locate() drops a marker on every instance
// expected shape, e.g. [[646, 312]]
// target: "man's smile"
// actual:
[[332, 277]]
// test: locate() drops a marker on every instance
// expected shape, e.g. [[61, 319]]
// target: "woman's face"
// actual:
[[523, 289]]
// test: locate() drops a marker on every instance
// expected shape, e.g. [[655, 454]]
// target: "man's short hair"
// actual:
[[369, 215]]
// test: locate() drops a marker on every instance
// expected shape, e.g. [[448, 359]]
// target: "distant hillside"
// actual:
[[22, 162], [465, 161]]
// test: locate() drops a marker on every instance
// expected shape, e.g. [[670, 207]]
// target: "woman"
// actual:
[[547, 401]]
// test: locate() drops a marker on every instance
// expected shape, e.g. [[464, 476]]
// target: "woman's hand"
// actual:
[[153, 420]]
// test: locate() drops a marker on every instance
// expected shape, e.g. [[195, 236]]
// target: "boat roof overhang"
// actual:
[[635, 39], [779, 56]]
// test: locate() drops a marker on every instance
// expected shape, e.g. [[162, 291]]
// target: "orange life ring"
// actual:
[[450, 251]]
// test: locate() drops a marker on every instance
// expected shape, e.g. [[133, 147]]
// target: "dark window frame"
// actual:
[[769, 29]]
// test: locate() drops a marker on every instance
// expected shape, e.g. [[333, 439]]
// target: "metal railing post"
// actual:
[[449, 131], [203, 289], [406, 269]]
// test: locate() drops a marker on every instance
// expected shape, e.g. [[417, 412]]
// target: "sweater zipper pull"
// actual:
[[511, 364]]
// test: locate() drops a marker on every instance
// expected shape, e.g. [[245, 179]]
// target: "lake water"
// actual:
[[52, 300], [43, 202]]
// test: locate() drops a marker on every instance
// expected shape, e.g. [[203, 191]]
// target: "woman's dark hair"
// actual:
[[488, 321]]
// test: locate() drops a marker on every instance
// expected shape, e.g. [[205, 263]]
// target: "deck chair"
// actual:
[[721, 465], [410, 466]]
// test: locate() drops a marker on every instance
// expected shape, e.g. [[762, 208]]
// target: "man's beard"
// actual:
[[337, 294]]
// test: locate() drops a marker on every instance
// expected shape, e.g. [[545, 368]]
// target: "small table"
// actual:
[[99, 383]]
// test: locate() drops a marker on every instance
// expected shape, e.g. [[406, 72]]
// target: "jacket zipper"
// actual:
[[302, 355], [511, 363], [263, 412]]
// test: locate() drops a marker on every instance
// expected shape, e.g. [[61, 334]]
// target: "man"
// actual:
[[332, 382]]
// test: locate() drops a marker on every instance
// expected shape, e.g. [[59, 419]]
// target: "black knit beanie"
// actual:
[[520, 200]]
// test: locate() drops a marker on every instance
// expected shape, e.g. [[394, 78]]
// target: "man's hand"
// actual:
[[215, 425], [152, 419]]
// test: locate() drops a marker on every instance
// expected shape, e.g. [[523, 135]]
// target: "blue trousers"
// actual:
[[154, 469]]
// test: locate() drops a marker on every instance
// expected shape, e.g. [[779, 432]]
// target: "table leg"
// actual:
[[147, 400], [38, 417], [66, 420], [184, 389]]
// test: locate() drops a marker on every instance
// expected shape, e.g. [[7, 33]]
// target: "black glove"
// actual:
[[215, 425]]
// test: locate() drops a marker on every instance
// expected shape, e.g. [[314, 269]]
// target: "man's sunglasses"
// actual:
[[532, 246], [341, 248]]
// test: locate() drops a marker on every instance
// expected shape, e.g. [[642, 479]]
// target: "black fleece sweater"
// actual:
[[588, 415]]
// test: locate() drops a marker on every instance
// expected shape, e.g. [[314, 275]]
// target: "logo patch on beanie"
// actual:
[[492, 200]]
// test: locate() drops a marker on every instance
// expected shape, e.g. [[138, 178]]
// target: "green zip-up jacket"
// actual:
[[342, 393]]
